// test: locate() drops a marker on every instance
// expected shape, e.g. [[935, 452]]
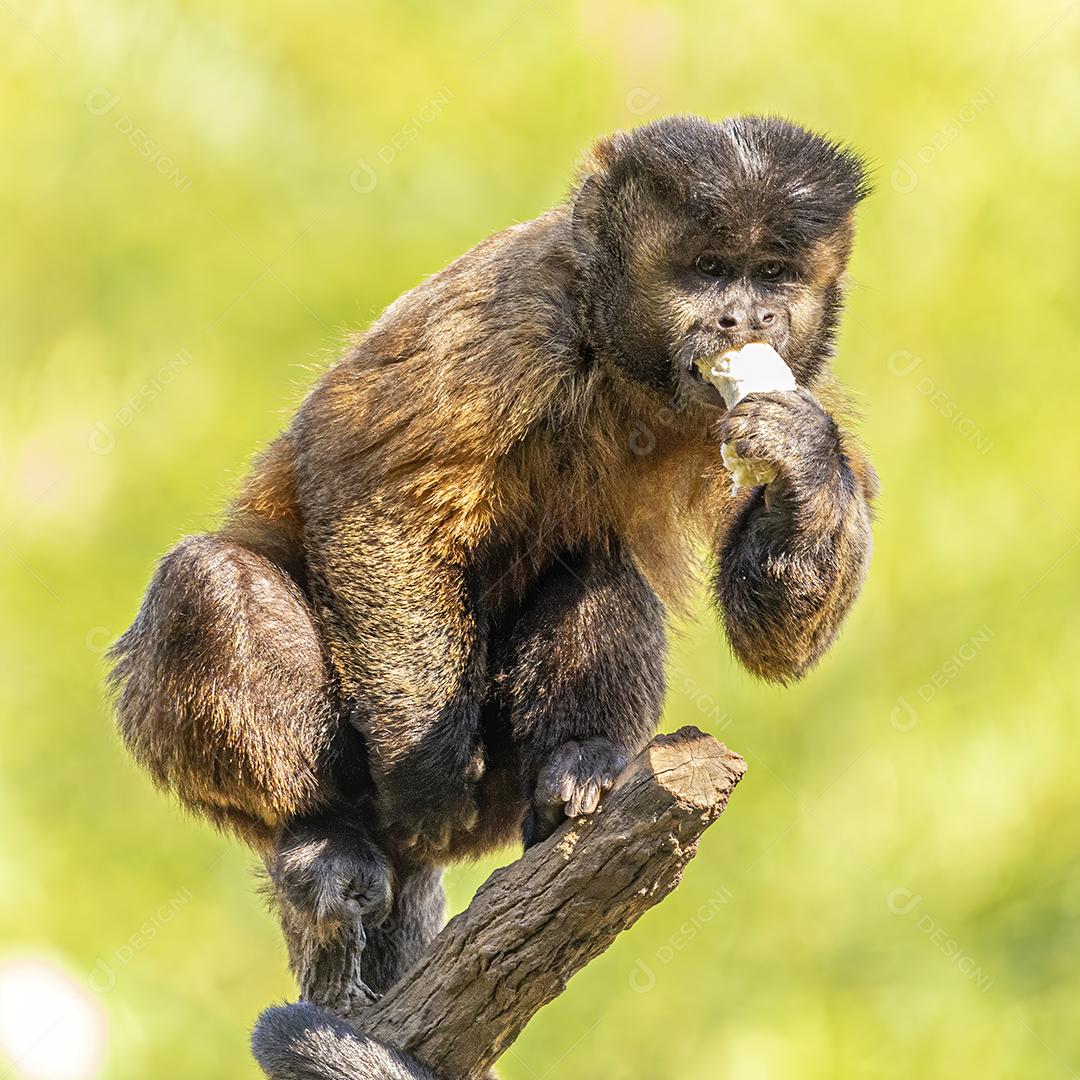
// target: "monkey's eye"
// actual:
[[710, 265], [772, 271]]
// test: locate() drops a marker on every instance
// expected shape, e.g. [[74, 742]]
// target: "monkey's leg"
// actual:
[[226, 699], [301, 1042], [370, 931], [346, 966], [224, 693], [332, 884], [395, 944], [326, 963], [586, 682]]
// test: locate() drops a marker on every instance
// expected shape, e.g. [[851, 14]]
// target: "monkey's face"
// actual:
[[722, 289], [716, 235]]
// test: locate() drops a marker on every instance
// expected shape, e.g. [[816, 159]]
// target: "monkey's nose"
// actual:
[[767, 317], [730, 321]]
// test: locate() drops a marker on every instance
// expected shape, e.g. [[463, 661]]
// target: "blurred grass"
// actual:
[[162, 310]]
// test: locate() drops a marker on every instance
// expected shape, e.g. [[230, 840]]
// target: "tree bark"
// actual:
[[536, 922]]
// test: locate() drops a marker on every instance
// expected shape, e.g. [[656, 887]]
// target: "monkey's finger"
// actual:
[[775, 401], [567, 789], [547, 795], [765, 442], [742, 425], [734, 428], [584, 799], [781, 399], [589, 797]]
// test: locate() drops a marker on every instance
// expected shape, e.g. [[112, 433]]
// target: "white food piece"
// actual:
[[756, 368], [744, 473]]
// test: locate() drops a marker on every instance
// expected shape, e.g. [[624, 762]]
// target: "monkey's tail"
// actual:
[[306, 1042]]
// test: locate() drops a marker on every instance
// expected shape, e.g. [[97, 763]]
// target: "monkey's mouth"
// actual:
[[697, 387]]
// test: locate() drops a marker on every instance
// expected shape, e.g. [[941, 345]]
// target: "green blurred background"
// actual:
[[200, 199]]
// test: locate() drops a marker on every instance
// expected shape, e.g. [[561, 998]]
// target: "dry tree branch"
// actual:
[[530, 926]]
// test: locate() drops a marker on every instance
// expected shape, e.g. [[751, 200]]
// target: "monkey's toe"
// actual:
[[367, 892], [345, 890], [570, 784]]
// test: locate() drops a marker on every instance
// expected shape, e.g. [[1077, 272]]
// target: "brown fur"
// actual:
[[438, 603]]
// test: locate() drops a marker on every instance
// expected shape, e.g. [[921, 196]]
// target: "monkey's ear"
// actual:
[[593, 193], [604, 154], [586, 213]]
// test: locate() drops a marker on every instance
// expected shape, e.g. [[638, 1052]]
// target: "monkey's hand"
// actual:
[[570, 784], [786, 435], [795, 554], [428, 799]]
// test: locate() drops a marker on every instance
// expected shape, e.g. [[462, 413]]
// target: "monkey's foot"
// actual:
[[435, 819], [570, 784], [334, 880]]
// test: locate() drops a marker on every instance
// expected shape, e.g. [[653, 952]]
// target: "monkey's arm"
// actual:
[[585, 679], [792, 555], [404, 643]]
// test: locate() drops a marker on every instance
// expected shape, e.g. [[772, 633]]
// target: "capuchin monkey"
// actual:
[[434, 618]]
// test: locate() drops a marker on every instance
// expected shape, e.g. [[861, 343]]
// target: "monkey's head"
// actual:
[[695, 237]]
